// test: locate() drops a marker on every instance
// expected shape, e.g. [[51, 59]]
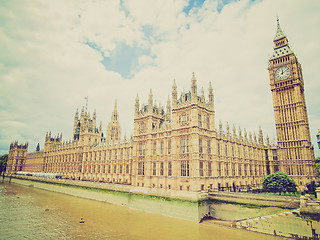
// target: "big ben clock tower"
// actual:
[[295, 153]]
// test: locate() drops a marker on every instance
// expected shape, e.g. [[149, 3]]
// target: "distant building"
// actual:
[[178, 148], [318, 138]]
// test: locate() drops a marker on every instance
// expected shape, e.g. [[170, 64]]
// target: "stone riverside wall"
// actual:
[[193, 210], [287, 202]]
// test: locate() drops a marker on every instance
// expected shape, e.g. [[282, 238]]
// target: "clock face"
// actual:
[[282, 73]]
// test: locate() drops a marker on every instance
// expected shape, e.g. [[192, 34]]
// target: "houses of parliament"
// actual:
[[179, 147]]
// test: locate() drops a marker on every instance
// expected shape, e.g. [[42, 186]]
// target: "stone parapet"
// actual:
[[310, 206]]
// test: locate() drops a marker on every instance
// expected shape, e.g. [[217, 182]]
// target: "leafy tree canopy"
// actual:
[[3, 162], [279, 182]]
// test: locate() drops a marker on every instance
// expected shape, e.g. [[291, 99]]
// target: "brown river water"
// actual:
[[23, 215]]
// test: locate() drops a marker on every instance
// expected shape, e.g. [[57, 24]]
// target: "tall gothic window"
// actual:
[[162, 147], [226, 170], [199, 121], [141, 168], [169, 169], [201, 168], [184, 144], [209, 169], [154, 168], [161, 169], [185, 168], [169, 147], [183, 119], [142, 127], [233, 169], [142, 149], [208, 122], [209, 146], [154, 148], [200, 145]]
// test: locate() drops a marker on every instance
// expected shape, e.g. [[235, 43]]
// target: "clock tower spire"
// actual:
[[295, 154]]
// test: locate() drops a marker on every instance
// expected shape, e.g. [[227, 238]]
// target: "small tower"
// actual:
[[210, 95], [193, 88], [113, 130], [76, 126], [168, 109], [260, 136], [202, 96], [174, 94], [150, 102], [94, 118], [136, 106], [38, 148]]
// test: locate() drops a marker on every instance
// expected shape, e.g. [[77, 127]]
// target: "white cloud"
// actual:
[[46, 68], [143, 60]]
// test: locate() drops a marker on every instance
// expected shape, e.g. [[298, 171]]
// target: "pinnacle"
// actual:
[[279, 33]]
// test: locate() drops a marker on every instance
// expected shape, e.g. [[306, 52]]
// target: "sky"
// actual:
[[55, 53]]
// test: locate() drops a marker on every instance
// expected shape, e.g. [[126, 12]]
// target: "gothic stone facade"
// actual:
[[181, 149], [296, 153]]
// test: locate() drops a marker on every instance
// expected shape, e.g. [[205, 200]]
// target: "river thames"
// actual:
[[23, 215]]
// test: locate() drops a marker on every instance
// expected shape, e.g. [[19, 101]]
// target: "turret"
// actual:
[[113, 129], [76, 116], [168, 109], [193, 88], [114, 117], [82, 112], [202, 96], [174, 94], [260, 136], [150, 102], [210, 95], [94, 118], [228, 130], [234, 131]]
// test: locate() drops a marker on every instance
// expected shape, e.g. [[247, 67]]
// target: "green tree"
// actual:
[[3, 163], [279, 182]]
